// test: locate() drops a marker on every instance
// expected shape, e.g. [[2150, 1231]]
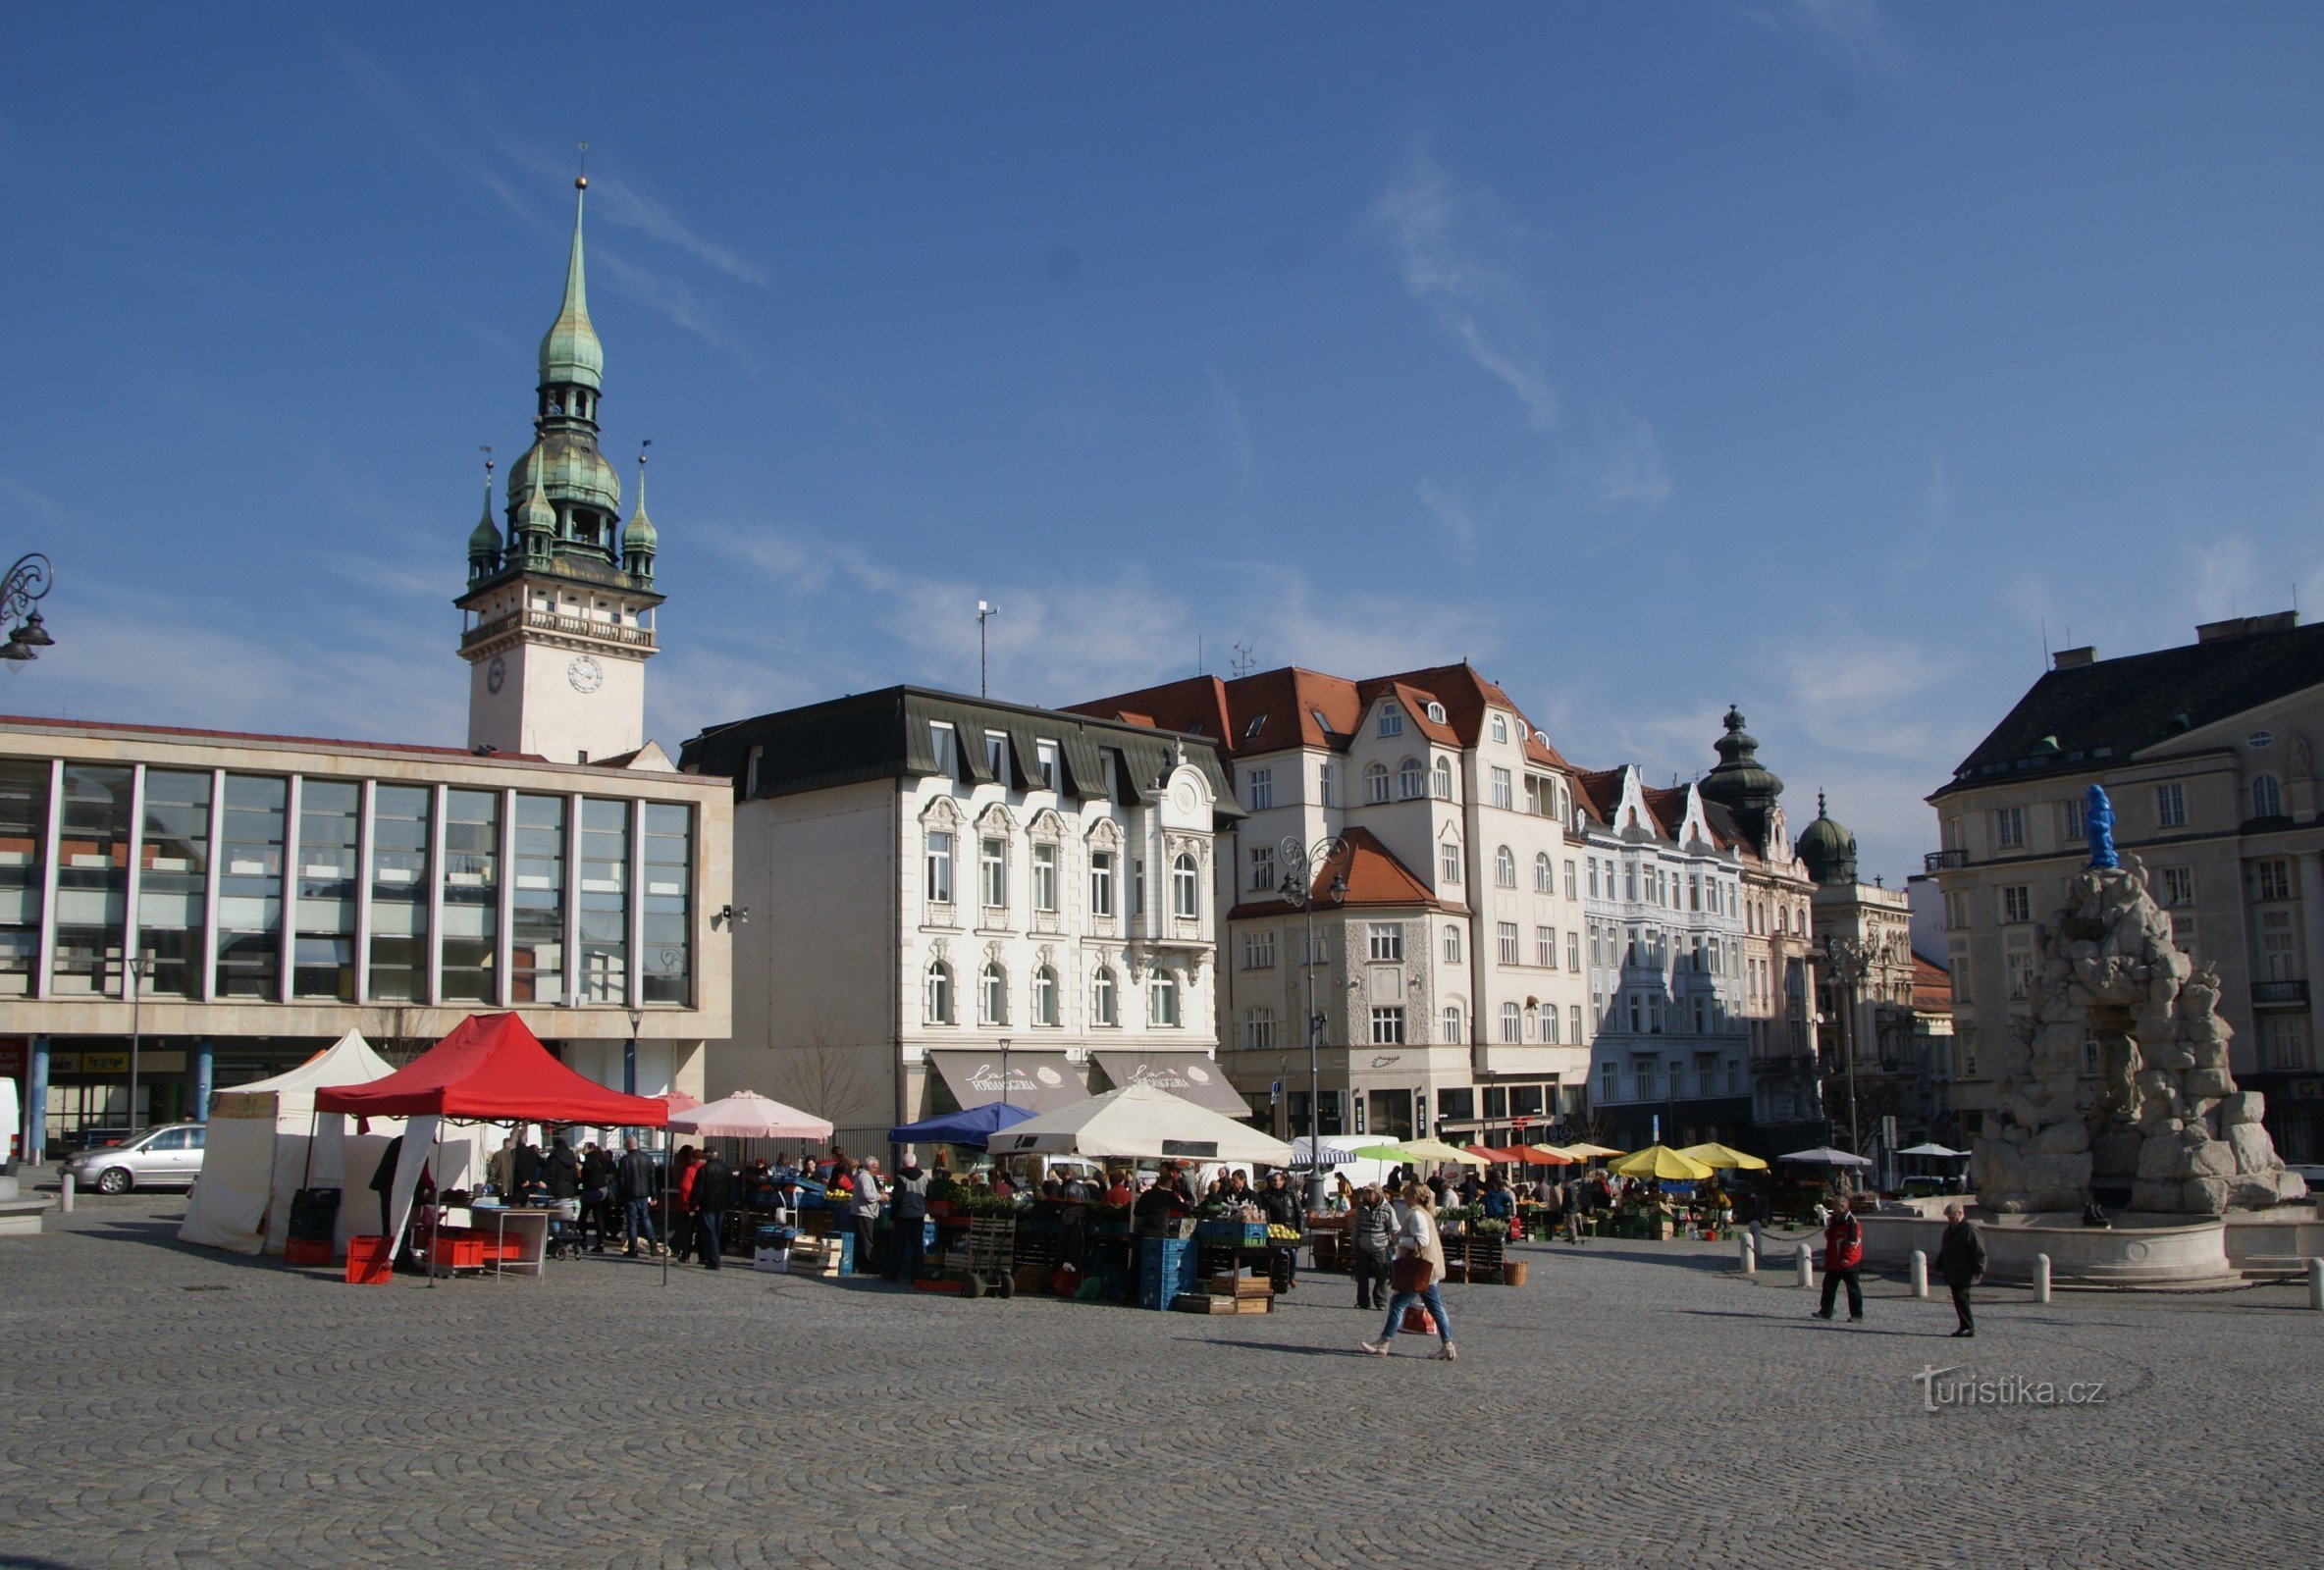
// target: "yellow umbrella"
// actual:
[[1437, 1150], [1715, 1154], [1659, 1161]]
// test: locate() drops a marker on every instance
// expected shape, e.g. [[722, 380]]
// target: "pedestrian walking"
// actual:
[[863, 1207], [1961, 1263], [633, 1181], [1418, 1266], [1843, 1258], [908, 1214], [1371, 1233], [712, 1192]]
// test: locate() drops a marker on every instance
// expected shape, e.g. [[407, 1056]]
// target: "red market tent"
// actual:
[[492, 1067]]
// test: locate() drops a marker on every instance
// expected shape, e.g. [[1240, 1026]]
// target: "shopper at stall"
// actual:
[[1117, 1191], [710, 1196], [863, 1209], [633, 1182], [561, 1172], [907, 1213], [1498, 1202], [501, 1171], [1371, 1233], [1281, 1206], [597, 1194], [1418, 1265], [681, 1224], [1843, 1260], [524, 1161], [1164, 1201]]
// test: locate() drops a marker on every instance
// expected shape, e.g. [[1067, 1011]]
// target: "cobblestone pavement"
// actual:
[[1634, 1404]]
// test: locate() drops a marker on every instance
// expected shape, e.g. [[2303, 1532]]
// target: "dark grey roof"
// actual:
[[2088, 717], [885, 735]]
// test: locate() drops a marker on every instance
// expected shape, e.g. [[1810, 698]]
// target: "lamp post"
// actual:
[[135, 972], [28, 579], [1300, 864], [629, 1054], [1846, 956]]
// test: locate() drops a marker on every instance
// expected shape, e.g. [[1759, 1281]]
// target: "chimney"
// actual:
[[2068, 658], [2219, 632]]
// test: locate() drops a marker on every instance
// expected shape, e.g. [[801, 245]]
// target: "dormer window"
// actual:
[[1500, 728], [1392, 720], [1436, 712]]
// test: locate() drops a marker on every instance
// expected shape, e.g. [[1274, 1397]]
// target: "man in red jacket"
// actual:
[[1844, 1256]]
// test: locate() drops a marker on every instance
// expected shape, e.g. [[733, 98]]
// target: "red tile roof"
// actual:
[[1376, 879], [32, 721], [1933, 986]]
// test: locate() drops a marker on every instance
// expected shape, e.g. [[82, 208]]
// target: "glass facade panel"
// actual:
[[249, 887], [399, 893], [536, 927], [605, 902], [92, 881], [24, 844], [329, 813], [471, 896], [173, 881], [669, 887]]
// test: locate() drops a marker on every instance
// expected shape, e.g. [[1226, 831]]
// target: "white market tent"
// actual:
[[266, 1144], [1139, 1122]]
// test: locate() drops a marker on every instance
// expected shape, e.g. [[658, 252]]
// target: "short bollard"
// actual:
[[1747, 1255], [2316, 1284], [65, 1193], [1805, 1263], [2041, 1278], [1920, 1273]]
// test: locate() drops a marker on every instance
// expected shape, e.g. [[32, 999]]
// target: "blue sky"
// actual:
[[1815, 355]]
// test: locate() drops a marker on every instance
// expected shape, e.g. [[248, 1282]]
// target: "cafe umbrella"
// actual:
[[1662, 1161], [1715, 1154]]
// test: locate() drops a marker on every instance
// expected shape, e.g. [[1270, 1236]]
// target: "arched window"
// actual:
[[1504, 869], [1185, 897], [1436, 712], [1441, 781], [940, 993], [1500, 728], [1545, 881], [1408, 779], [1455, 1031], [995, 997], [1375, 783], [2267, 799], [1162, 1000], [1102, 1006], [1044, 996]]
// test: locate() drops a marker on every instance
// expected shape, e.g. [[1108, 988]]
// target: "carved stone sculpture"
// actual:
[[2162, 1118]]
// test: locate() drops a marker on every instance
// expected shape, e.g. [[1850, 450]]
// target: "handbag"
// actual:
[[1409, 1273], [1416, 1322]]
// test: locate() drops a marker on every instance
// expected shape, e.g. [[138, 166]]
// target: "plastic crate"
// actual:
[[1233, 1234], [307, 1252], [367, 1261]]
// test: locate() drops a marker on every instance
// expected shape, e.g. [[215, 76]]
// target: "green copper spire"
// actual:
[[639, 541], [483, 545], [537, 523], [570, 355]]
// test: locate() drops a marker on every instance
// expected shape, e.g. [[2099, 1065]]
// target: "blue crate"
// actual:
[[1166, 1268]]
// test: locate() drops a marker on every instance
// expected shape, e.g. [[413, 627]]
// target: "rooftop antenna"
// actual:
[[1245, 660], [985, 614]]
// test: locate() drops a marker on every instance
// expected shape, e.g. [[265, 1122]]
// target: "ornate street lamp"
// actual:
[[1300, 864], [27, 580], [1847, 959]]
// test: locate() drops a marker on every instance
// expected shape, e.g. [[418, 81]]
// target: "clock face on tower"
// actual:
[[496, 674], [585, 673]]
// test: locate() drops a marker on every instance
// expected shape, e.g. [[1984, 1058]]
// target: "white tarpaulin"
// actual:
[[265, 1144], [451, 1153], [1140, 1120]]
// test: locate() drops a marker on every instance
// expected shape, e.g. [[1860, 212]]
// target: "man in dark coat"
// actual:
[[1280, 1203], [635, 1181], [597, 1194], [712, 1194], [524, 1163], [561, 1172], [1961, 1263]]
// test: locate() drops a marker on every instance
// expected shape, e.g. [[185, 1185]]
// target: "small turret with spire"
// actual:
[[484, 542], [639, 542]]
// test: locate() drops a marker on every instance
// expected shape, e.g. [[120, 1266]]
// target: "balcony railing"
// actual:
[[1951, 860], [2280, 994], [571, 626]]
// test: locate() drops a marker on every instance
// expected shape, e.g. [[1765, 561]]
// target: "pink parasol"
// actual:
[[747, 1114]]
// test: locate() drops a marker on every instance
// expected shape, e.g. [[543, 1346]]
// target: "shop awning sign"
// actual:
[[1191, 1074]]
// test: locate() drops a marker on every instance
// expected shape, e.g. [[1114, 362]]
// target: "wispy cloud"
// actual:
[[1869, 693], [1855, 31], [1621, 464], [1463, 528], [1226, 406], [1454, 253]]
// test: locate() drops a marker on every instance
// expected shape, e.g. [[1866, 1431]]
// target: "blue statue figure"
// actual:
[[2098, 821]]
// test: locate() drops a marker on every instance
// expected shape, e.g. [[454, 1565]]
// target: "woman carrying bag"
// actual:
[[1418, 1266]]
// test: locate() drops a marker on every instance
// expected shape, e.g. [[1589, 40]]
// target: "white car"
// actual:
[[168, 1157]]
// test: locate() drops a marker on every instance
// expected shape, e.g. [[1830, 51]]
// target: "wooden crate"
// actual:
[[1239, 1286], [1202, 1303]]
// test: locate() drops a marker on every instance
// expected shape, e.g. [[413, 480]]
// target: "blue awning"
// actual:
[[973, 1125]]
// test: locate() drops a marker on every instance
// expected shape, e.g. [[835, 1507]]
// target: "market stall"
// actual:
[[490, 1070], [267, 1145]]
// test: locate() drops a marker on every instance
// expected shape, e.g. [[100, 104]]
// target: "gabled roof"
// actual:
[[1293, 706], [2086, 717], [1376, 880], [1599, 792]]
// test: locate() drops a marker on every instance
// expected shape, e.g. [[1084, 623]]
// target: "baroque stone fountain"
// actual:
[[2164, 1120]]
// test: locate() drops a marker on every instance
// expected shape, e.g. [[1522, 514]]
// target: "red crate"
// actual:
[[367, 1261], [307, 1252], [457, 1252]]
